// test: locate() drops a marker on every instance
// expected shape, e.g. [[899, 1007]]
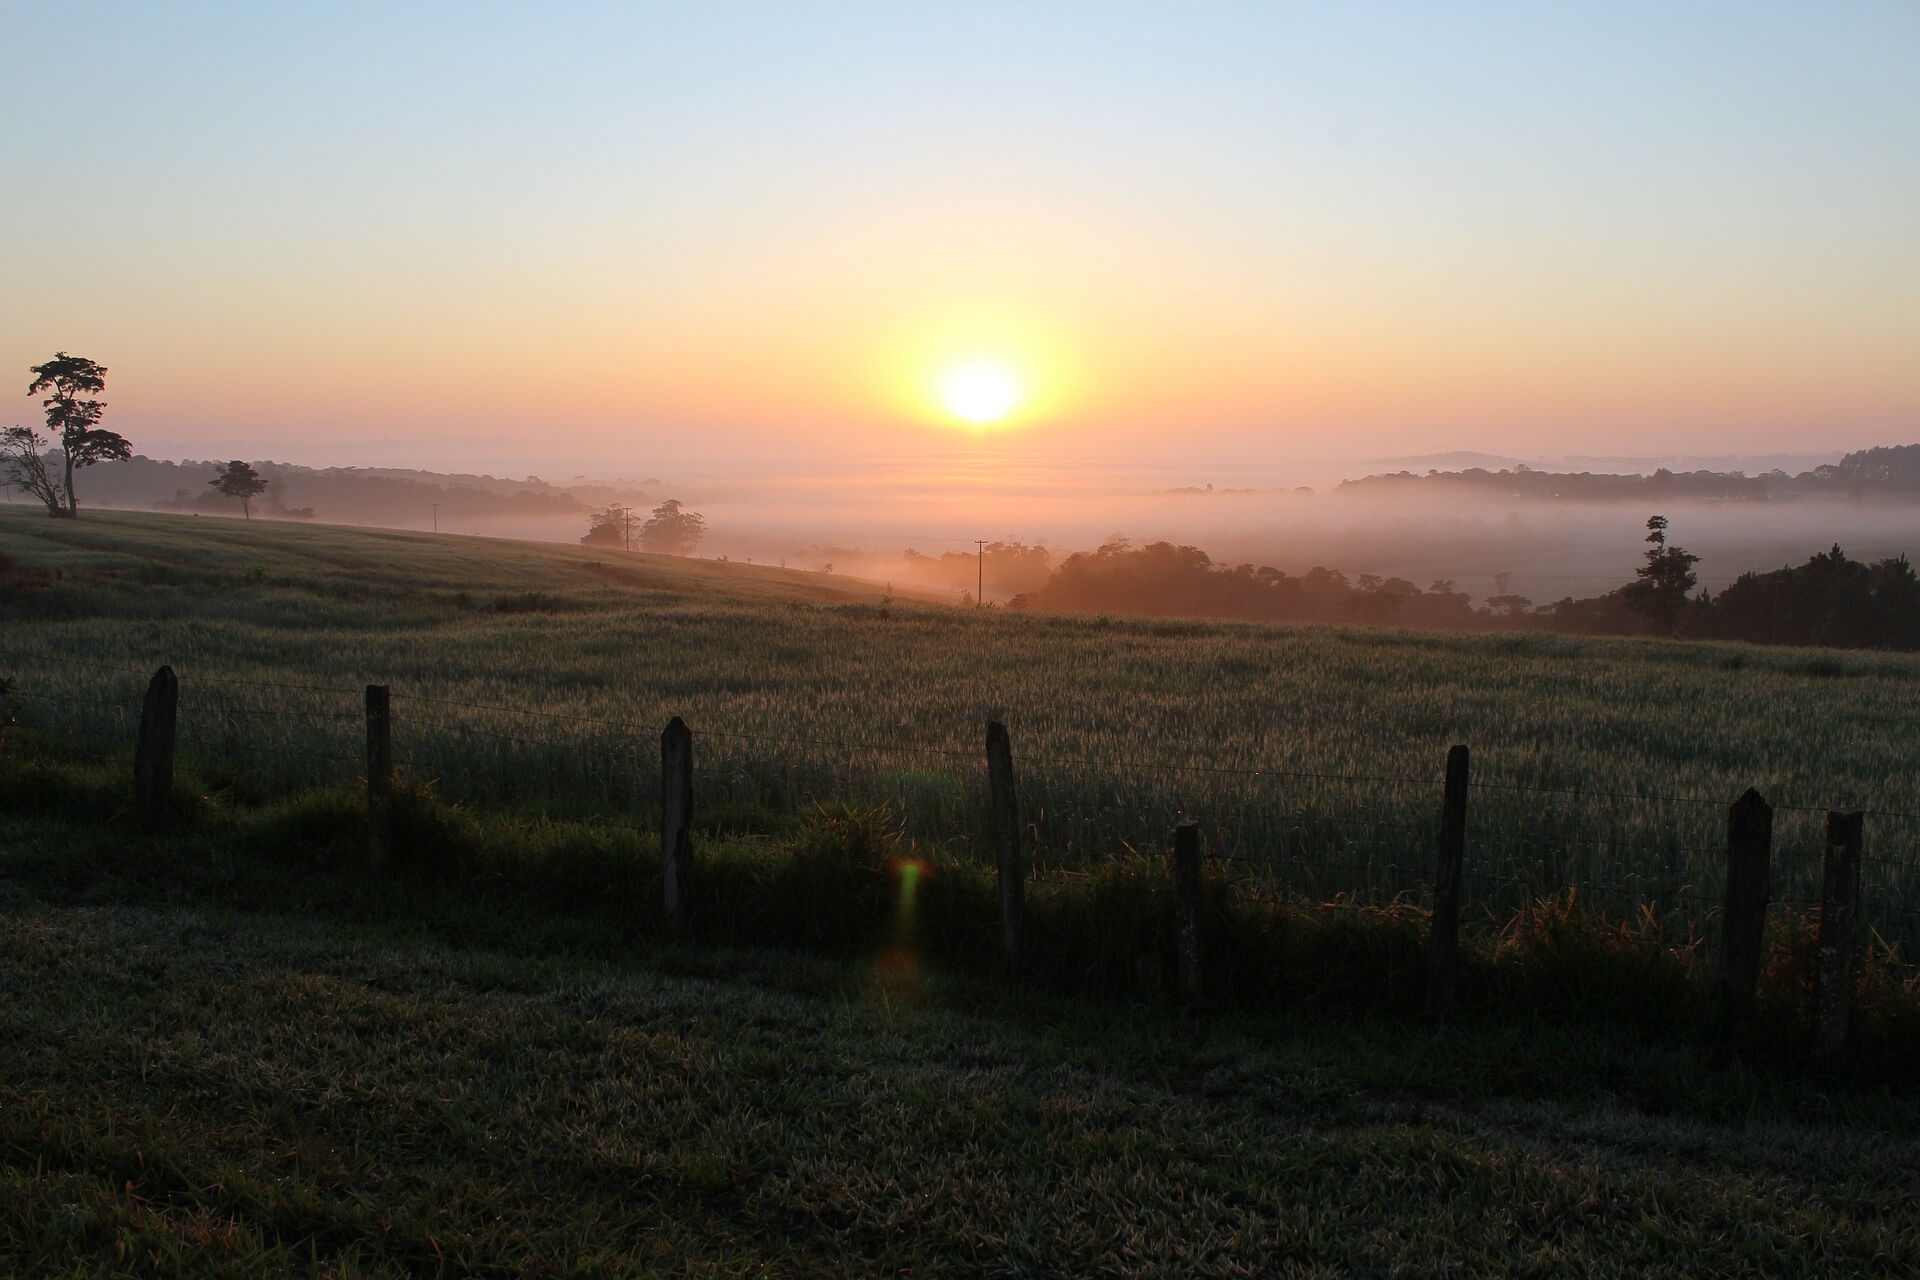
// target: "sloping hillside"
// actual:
[[104, 546]]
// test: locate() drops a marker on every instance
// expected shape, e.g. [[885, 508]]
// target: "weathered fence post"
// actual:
[[1743, 918], [1839, 915], [379, 778], [1186, 910], [1006, 844], [1443, 944], [153, 752], [676, 826]]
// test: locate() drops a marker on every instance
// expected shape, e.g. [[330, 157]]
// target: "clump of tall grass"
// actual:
[[1107, 932], [1340, 958], [1556, 960], [830, 887]]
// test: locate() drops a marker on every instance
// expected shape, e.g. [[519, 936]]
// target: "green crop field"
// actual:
[[227, 1049], [538, 676]]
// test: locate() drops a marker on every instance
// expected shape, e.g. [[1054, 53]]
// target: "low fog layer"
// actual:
[[1543, 551], [863, 521]]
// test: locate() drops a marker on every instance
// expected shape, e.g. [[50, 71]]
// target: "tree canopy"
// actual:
[[1662, 583], [672, 529], [23, 466], [236, 479], [1829, 600], [73, 418], [1164, 579], [607, 528]]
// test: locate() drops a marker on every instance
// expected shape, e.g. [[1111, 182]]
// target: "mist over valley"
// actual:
[[862, 518]]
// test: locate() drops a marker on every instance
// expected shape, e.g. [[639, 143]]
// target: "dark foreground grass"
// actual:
[[233, 1052], [190, 1087]]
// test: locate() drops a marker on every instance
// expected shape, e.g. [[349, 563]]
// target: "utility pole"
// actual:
[[627, 514], [436, 517], [980, 572]]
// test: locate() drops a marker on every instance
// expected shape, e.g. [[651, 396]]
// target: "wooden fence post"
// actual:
[[379, 778], [1743, 918], [1839, 916], [1006, 844], [1186, 910], [1443, 944], [676, 826], [153, 751]]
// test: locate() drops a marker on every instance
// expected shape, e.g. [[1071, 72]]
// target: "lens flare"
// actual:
[[897, 969], [909, 871]]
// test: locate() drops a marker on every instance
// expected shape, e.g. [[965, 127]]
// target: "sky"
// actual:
[[703, 238]]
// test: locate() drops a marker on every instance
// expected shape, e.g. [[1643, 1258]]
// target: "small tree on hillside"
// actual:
[[72, 421], [672, 529], [1663, 582], [238, 480], [23, 466]]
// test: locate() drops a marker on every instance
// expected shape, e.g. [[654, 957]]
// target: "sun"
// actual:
[[981, 393]]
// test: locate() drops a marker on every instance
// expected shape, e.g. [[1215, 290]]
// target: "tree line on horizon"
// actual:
[[43, 466], [1889, 472], [1831, 600], [42, 463], [363, 495]]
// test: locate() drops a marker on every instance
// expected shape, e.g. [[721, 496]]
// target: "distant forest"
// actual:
[[1887, 472], [1830, 600]]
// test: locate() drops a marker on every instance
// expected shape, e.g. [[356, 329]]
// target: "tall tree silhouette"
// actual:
[[1662, 583], [238, 480], [73, 418]]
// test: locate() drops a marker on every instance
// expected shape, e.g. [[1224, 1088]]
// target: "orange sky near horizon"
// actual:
[[1252, 236]]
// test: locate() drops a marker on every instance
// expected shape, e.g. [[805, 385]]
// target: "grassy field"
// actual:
[[215, 1062], [228, 1050], [537, 677]]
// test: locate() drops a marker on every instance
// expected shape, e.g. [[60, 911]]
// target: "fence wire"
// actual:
[[1360, 837]]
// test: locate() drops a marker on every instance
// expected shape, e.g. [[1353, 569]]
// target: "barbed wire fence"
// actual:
[[1363, 838]]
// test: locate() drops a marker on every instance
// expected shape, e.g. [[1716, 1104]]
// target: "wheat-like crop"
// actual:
[[535, 676]]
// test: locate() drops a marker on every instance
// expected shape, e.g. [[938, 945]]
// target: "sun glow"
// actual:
[[983, 370], [981, 393]]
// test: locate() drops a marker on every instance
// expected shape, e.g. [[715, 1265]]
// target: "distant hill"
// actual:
[[1886, 472], [342, 562], [1459, 459], [1752, 464], [350, 495]]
